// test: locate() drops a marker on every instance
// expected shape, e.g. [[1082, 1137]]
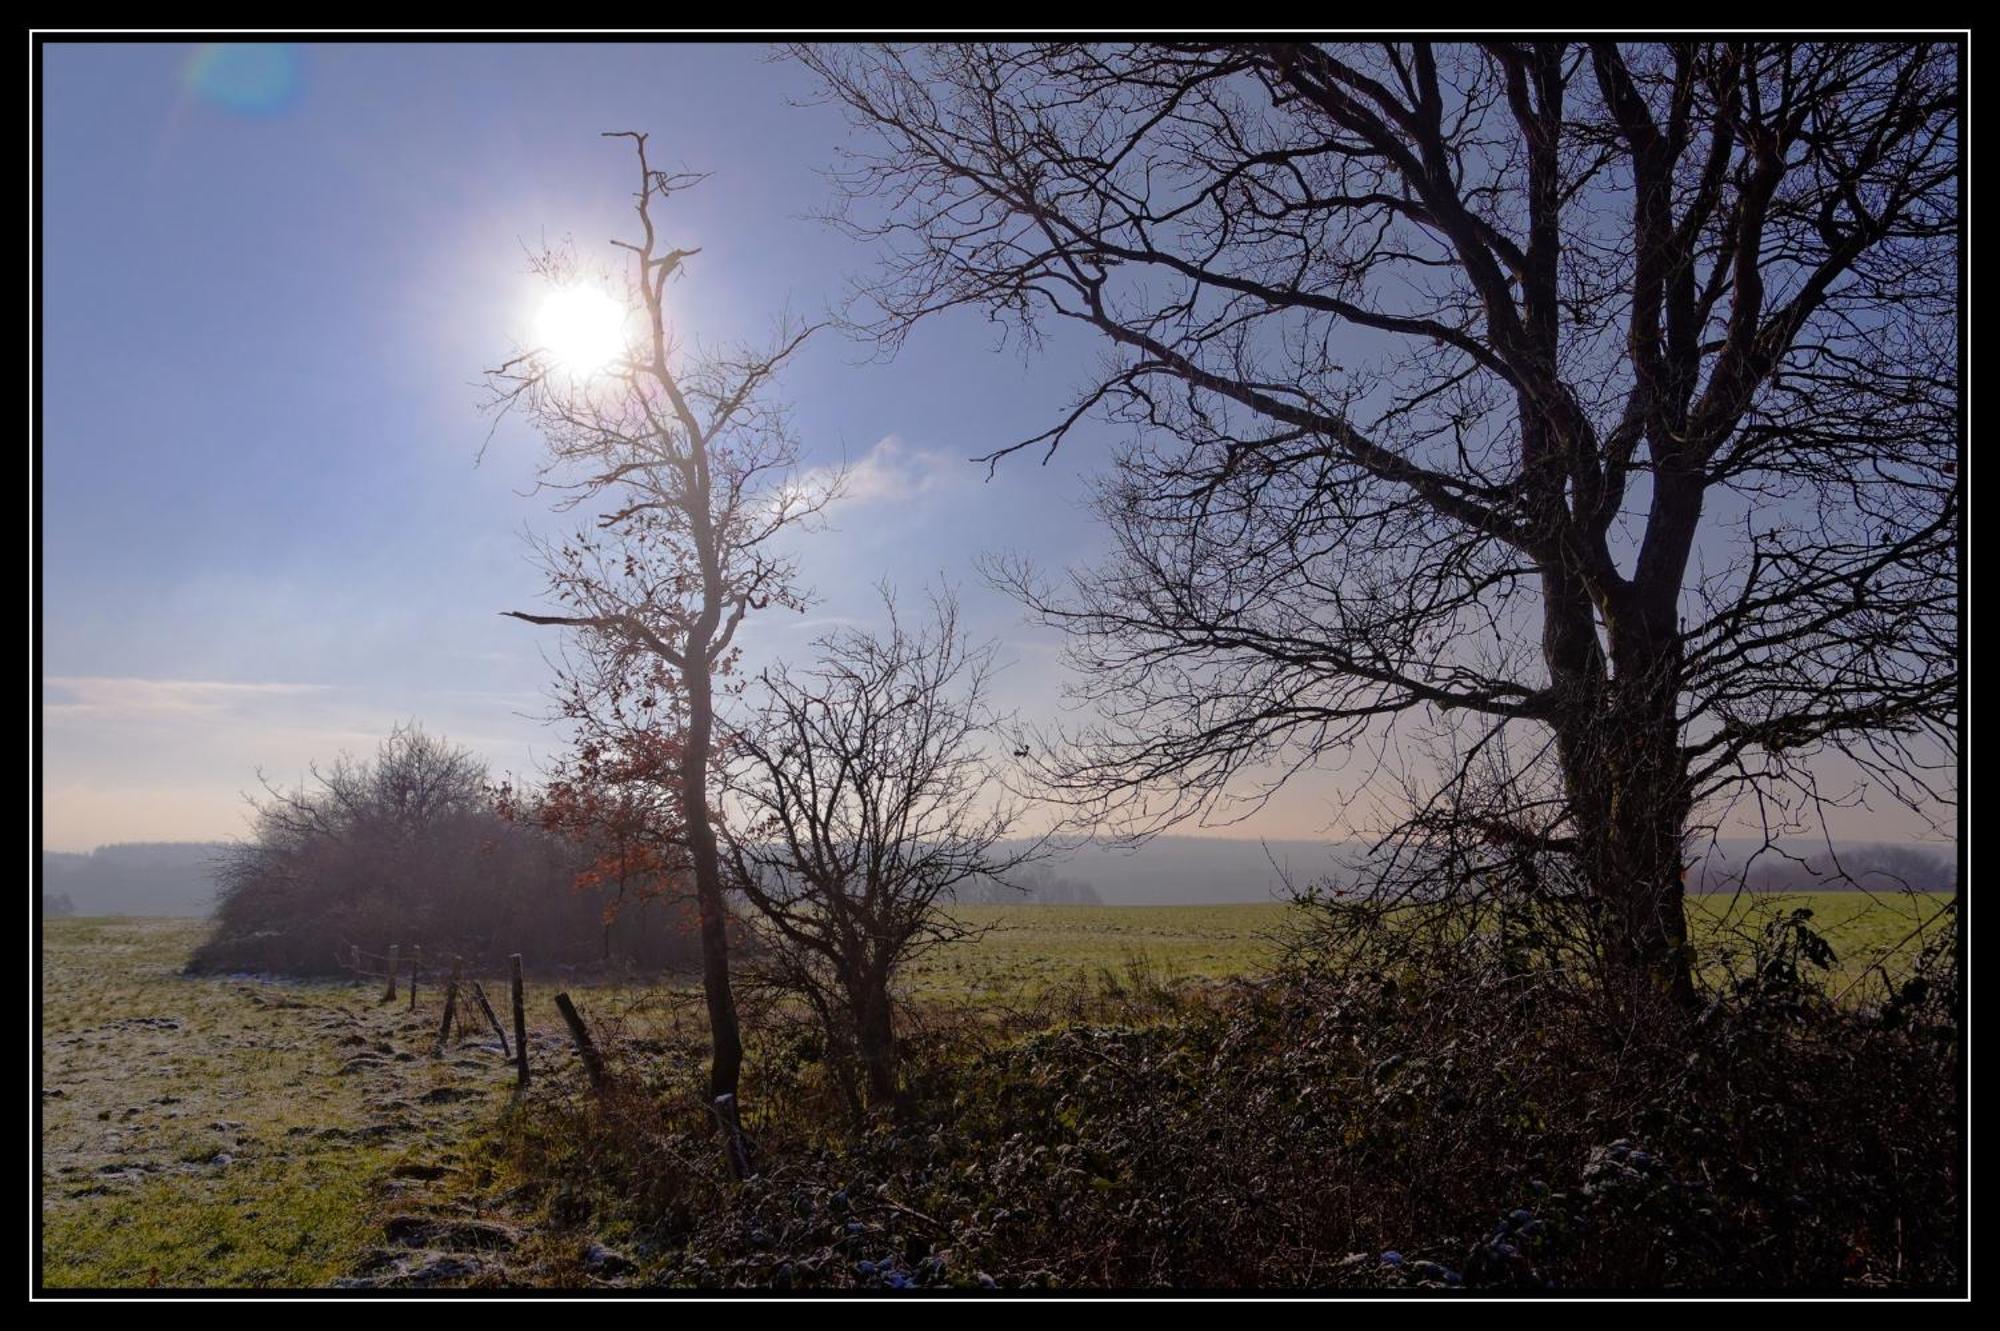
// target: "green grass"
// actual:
[[293, 1223], [1865, 929], [1021, 952], [1024, 951], [194, 1129]]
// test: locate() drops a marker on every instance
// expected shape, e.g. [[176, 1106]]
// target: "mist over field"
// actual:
[[176, 878]]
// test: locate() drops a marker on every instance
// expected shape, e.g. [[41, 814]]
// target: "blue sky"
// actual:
[[270, 287], [271, 281]]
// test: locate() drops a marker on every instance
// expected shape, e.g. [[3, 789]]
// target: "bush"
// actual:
[[412, 848]]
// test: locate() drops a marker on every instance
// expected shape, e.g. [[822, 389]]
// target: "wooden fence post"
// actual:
[[354, 957], [479, 992], [520, 1028], [389, 994], [593, 1062], [416, 964], [450, 1005]]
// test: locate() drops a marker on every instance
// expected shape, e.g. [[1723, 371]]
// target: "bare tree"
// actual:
[[1603, 394], [690, 468], [868, 801]]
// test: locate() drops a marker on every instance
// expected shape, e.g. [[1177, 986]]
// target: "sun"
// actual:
[[581, 328]]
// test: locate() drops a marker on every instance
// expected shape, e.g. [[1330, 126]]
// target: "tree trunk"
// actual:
[[1627, 785], [875, 1034], [725, 1039], [1618, 742]]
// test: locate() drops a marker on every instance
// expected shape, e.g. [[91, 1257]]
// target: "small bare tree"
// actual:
[[868, 801], [689, 468]]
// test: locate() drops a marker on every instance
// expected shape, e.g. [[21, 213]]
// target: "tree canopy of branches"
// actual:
[[868, 802], [687, 465], [1602, 397], [414, 847]]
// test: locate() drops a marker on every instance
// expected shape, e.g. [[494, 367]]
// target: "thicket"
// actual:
[[1397, 1113], [415, 847]]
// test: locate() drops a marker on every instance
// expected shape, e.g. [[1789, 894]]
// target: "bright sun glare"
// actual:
[[582, 328]]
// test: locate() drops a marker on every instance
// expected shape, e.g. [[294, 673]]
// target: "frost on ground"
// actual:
[[243, 1131]]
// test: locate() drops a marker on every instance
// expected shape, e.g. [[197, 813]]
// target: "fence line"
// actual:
[[460, 992]]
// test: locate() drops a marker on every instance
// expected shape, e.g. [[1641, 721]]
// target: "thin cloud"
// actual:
[[100, 695], [893, 471]]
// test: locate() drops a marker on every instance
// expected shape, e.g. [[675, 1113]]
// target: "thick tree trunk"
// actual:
[[1618, 742], [1638, 875], [1626, 781], [876, 1036], [725, 1038]]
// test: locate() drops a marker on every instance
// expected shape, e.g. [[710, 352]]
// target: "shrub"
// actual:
[[1430, 1119], [412, 848]]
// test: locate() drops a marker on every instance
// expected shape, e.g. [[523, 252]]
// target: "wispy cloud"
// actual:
[[894, 471], [100, 695]]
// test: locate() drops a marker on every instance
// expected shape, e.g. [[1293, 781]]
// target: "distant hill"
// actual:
[[1191, 871], [175, 877], [137, 878], [1195, 871], [1165, 871]]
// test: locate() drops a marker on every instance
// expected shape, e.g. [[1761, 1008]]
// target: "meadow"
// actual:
[[231, 1131], [248, 1131], [1019, 952]]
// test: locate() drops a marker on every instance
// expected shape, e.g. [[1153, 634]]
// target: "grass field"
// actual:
[[246, 1132], [1022, 951], [228, 1132]]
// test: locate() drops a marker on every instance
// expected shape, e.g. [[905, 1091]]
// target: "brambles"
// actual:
[[1391, 1122]]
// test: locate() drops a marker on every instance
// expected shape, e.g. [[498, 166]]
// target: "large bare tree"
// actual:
[[689, 469], [1604, 396]]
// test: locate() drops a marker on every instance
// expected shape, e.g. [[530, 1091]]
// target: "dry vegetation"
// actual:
[[1093, 1096]]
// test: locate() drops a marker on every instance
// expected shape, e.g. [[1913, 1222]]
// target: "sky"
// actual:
[[272, 278]]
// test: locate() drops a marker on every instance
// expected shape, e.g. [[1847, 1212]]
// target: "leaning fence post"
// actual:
[[593, 1062], [416, 964], [479, 992], [354, 957], [390, 993], [520, 1028], [450, 1005]]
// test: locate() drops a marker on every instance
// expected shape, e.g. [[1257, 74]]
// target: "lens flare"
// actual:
[[247, 78], [582, 328]]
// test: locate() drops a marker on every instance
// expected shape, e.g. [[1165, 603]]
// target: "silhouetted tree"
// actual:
[[867, 802], [691, 468], [1601, 395]]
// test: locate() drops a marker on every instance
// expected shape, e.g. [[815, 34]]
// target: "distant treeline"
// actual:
[[179, 878], [137, 878], [1877, 868], [1193, 871], [1034, 885]]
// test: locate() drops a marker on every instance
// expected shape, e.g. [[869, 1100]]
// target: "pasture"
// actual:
[[238, 1131], [1022, 951]]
